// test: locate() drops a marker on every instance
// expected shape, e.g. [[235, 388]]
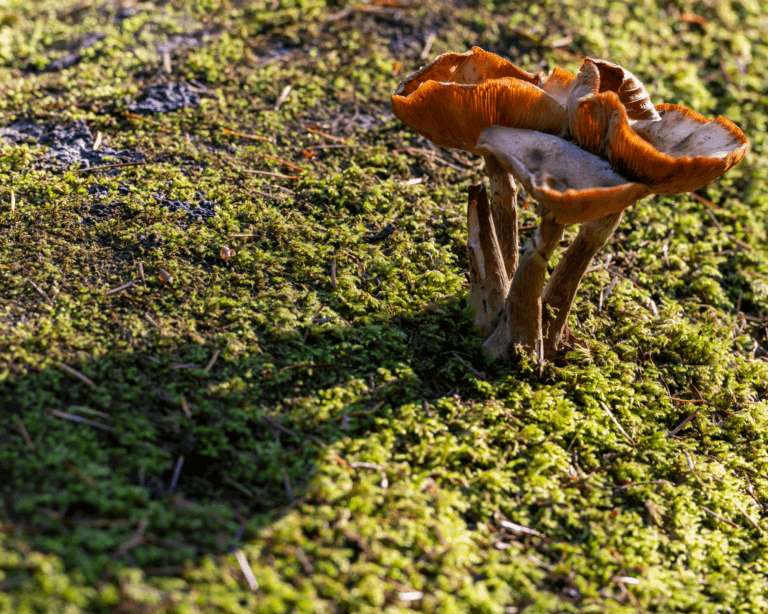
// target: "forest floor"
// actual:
[[237, 369]]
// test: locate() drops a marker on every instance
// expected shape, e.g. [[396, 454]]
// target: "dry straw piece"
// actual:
[[585, 146]]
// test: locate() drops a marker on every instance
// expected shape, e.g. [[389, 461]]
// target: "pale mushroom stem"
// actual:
[[504, 210], [488, 281], [521, 323], [561, 288]]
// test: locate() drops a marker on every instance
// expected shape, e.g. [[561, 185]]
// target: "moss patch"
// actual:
[[312, 400]]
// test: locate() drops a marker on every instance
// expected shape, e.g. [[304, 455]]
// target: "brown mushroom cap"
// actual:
[[453, 99], [574, 185]]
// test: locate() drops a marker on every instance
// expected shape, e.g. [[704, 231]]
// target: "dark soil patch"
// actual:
[[73, 57], [67, 145], [201, 209], [166, 98]]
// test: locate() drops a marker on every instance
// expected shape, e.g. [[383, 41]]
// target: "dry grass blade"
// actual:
[[749, 518], [333, 272], [519, 529], [40, 291], [77, 374], [287, 484], [123, 287], [147, 120], [283, 162], [738, 242], [141, 274], [25, 434], [108, 166], [283, 96], [268, 174], [704, 201], [245, 567], [247, 136], [625, 486], [176, 473], [81, 420], [325, 135], [607, 410], [271, 196], [185, 407], [136, 540], [81, 475], [427, 45]]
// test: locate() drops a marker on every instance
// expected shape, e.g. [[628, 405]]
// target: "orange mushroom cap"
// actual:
[[453, 99], [480, 102]]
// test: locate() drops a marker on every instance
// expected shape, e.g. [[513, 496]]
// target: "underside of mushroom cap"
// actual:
[[454, 115], [682, 151], [574, 185]]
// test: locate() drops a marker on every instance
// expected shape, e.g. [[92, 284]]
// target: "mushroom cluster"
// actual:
[[584, 146]]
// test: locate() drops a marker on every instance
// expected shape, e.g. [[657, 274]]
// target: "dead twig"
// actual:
[[272, 196], [77, 374], [719, 517], [212, 361]]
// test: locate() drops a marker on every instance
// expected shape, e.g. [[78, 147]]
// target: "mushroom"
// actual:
[[585, 147]]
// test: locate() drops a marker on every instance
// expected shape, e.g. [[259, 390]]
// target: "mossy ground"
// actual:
[[349, 439]]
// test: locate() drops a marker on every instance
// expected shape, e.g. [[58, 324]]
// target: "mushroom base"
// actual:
[[521, 310]]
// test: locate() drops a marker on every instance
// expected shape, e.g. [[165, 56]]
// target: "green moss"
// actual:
[[349, 438]]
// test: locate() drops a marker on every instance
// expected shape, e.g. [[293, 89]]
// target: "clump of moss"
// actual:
[[318, 400]]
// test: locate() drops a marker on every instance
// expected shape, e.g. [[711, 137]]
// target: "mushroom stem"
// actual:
[[561, 288], [488, 282], [504, 209], [521, 323]]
